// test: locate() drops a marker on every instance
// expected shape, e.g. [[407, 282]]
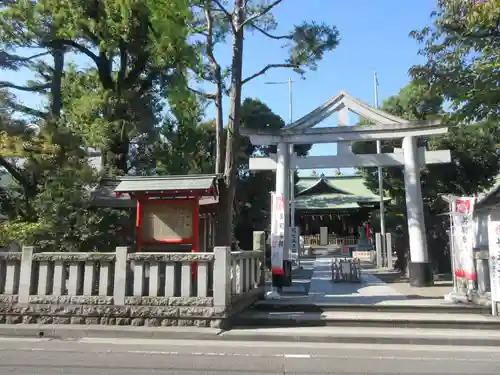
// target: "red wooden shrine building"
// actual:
[[172, 213]]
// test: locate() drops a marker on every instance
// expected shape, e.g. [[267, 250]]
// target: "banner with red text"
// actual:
[[462, 211], [277, 233]]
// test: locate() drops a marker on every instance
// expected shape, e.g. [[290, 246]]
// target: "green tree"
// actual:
[[307, 43], [107, 106], [138, 50], [462, 49]]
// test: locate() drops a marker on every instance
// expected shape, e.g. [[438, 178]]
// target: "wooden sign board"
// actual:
[[167, 223]]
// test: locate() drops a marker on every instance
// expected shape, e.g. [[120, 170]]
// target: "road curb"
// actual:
[[69, 333], [250, 323], [269, 306], [381, 340], [63, 332]]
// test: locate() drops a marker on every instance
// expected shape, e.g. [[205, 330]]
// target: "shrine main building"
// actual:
[[341, 204]]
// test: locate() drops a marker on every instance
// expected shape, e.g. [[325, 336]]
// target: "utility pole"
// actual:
[[380, 178], [292, 170]]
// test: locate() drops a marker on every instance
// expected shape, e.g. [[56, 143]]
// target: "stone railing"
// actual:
[[10, 265], [202, 289], [246, 273]]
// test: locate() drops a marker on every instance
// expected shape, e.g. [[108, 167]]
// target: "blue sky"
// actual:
[[374, 37]]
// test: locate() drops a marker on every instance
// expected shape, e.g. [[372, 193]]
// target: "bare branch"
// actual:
[[210, 38], [14, 171], [264, 11], [80, 48], [200, 32], [37, 88], [229, 15], [29, 111], [203, 94], [6, 58], [265, 69], [101, 61], [223, 9], [276, 37]]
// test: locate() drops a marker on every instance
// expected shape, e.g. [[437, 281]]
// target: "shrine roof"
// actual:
[[339, 101], [104, 195], [331, 202], [351, 185], [165, 183], [490, 197], [333, 193]]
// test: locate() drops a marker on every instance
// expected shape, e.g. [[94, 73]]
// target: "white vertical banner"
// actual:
[[494, 250], [277, 233], [294, 244], [462, 211]]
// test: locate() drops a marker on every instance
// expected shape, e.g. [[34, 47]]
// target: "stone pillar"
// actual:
[[259, 243], [222, 276], [26, 274], [420, 268], [388, 249], [379, 251], [120, 282], [323, 236]]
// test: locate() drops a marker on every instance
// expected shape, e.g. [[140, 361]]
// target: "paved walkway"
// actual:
[[322, 291], [370, 291]]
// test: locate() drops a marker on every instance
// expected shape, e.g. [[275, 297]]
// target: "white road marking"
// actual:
[[263, 355], [371, 348], [297, 355]]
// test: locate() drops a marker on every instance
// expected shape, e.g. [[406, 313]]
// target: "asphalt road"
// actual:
[[134, 357]]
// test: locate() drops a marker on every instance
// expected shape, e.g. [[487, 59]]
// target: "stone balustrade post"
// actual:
[[388, 250], [120, 282], [259, 243], [221, 277], [379, 250], [25, 274]]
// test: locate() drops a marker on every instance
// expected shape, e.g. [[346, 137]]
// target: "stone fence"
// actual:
[[123, 288]]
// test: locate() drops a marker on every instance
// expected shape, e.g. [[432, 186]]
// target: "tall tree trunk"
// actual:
[[119, 146], [219, 123], [230, 170], [56, 85]]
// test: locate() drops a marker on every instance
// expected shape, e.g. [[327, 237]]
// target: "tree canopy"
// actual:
[[462, 48]]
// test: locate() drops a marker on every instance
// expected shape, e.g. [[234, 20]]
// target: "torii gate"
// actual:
[[383, 126]]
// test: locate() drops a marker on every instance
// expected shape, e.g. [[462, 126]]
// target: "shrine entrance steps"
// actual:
[[314, 300]]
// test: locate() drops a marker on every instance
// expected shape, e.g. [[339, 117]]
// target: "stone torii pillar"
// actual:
[[283, 188], [420, 268]]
